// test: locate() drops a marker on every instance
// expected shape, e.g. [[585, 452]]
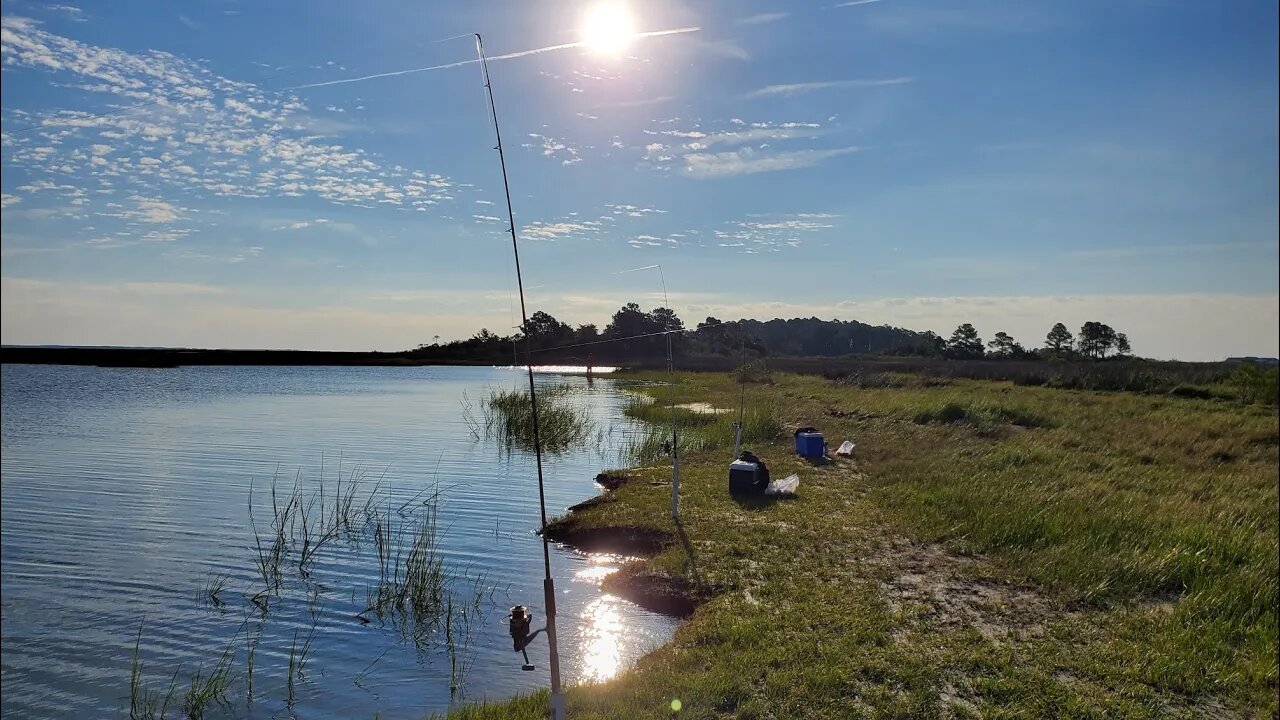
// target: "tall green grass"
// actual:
[[507, 417], [695, 431], [294, 525], [985, 416]]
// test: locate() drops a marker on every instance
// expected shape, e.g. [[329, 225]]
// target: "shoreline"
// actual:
[[659, 592], [893, 584]]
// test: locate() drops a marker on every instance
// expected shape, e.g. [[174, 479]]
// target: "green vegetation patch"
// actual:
[[984, 416], [1119, 561], [507, 416]]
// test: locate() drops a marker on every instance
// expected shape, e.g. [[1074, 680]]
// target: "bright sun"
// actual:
[[607, 28]]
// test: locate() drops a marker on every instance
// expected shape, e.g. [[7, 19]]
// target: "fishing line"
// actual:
[[611, 340], [482, 61]]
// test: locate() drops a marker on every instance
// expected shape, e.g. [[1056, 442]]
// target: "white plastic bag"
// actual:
[[846, 448], [785, 486]]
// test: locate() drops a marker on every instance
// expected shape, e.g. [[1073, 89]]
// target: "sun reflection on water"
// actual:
[[603, 626], [602, 634]]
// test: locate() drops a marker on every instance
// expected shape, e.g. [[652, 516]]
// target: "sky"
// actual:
[[323, 176]]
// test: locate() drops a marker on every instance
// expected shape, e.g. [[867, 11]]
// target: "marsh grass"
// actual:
[[1145, 524], [412, 581], [307, 519], [696, 432], [145, 703], [298, 656], [210, 593], [983, 416], [210, 687], [507, 417], [204, 687], [294, 525]]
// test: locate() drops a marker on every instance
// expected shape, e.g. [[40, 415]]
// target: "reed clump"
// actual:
[[507, 417], [295, 525]]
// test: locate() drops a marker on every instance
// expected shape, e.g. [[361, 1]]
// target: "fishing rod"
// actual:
[[519, 620], [671, 396]]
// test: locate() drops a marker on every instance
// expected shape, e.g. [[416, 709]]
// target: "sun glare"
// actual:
[[607, 28]]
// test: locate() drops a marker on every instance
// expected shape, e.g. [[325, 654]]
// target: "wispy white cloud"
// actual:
[[301, 224], [638, 103], [771, 232], [807, 87], [557, 148], [152, 210], [853, 3], [73, 13], [763, 18], [192, 24], [725, 48], [785, 131], [633, 210], [693, 145], [746, 161], [187, 130], [6, 200], [568, 228]]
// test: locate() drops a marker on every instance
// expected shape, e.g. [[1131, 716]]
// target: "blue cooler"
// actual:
[[744, 478], [810, 445]]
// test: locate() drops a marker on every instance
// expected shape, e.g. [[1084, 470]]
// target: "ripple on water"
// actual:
[[125, 490]]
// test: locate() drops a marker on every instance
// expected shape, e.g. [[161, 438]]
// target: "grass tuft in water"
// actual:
[[308, 521], [145, 703], [507, 416], [210, 591]]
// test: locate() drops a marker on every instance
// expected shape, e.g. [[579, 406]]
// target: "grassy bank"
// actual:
[[992, 549]]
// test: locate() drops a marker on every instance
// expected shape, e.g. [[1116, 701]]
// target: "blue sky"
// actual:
[[183, 174]]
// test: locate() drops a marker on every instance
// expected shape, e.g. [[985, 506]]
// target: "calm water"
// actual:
[[125, 490]]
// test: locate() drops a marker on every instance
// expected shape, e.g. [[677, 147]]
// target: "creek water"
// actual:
[[125, 493]]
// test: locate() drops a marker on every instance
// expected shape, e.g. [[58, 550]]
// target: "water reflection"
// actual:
[[565, 369], [125, 491], [604, 632], [602, 638]]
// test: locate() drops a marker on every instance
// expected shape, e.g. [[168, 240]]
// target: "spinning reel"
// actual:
[[519, 622]]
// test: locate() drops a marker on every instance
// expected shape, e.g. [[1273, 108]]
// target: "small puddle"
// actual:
[[701, 407]]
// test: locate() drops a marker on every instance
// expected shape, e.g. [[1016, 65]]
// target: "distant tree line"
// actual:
[[632, 332], [1095, 341]]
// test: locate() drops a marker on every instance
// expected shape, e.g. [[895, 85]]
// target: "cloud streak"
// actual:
[[748, 161], [808, 87], [491, 58], [763, 18]]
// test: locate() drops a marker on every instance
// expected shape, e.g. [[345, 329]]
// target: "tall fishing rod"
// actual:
[[548, 584], [671, 396]]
